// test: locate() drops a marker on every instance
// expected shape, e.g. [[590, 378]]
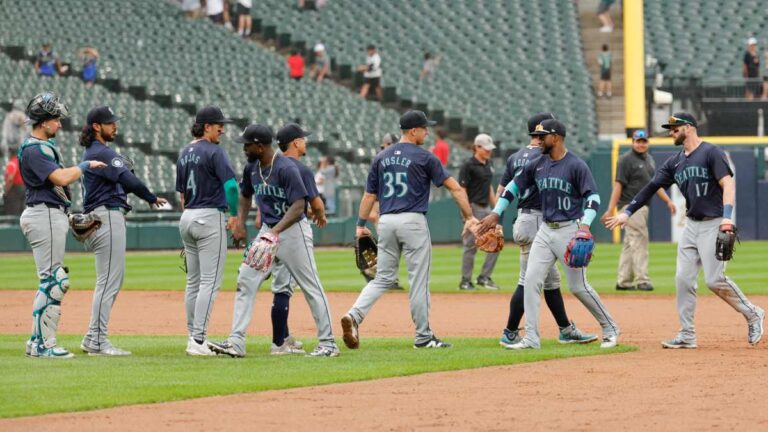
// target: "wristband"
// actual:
[[361, 222], [628, 212], [84, 166], [727, 211]]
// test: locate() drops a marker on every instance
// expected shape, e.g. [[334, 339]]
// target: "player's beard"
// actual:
[[545, 149], [251, 158], [680, 139]]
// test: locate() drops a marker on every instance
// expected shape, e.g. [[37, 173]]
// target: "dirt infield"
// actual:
[[717, 387]]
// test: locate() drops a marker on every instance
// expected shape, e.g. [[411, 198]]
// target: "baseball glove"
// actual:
[[366, 253], [491, 241], [579, 250], [726, 241], [260, 254], [83, 225]]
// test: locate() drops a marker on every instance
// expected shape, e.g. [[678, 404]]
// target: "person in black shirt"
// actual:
[[751, 70], [475, 177]]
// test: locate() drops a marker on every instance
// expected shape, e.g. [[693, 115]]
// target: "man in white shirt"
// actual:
[[371, 72]]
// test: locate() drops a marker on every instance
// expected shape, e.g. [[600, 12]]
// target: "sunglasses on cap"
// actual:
[[676, 121]]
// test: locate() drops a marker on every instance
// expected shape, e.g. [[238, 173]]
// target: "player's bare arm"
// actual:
[[67, 176], [366, 205], [318, 212], [243, 209], [291, 217], [661, 193], [729, 198], [615, 194], [460, 196]]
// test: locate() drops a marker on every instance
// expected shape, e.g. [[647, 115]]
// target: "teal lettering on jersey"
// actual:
[[269, 190], [691, 172], [554, 183], [395, 160]]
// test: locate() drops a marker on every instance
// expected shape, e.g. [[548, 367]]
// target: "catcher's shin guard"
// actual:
[[47, 307]]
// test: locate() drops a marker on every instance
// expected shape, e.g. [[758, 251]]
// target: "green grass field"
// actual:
[[159, 370], [160, 270]]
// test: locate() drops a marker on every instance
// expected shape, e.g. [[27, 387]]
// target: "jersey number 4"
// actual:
[[396, 184], [191, 186]]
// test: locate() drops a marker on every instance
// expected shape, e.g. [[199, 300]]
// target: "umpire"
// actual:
[[475, 177]]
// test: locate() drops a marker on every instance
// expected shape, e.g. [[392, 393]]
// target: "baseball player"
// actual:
[[527, 224], [702, 173], [281, 198], [399, 179], [569, 203], [207, 187], [105, 193], [44, 221]]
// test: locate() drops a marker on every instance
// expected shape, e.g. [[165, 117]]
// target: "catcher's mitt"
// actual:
[[726, 241], [260, 254], [83, 225], [366, 255], [491, 241], [579, 250]]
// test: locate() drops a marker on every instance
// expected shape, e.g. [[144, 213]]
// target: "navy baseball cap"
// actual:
[[680, 119], [102, 115], [536, 120], [415, 119], [211, 115], [256, 134], [640, 134], [550, 126], [290, 132]]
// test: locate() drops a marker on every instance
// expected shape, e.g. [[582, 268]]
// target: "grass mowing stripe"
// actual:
[[160, 270], [159, 371]]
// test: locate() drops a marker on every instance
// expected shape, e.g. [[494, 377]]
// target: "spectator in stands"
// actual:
[[633, 171], [441, 149], [191, 8], [371, 73], [90, 70], [322, 65], [13, 187], [14, 129], [751, 70], [295, 64], [218, 12], [47, 62], [430, 64], [244, 20], [604, 14], [330, 172], [765, 76], [312, 4], [605, 61], [320, 181], [475, 177]]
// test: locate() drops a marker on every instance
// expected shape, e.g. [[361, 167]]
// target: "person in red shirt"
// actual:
[[296, 65], [14, 186], [441, 149]]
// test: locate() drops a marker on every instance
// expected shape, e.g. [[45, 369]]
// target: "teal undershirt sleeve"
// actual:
[[233, 195]]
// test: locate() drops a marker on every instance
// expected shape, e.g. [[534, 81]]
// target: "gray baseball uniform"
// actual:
[[565, 186], [45, 225], [697, 175], [400, 177], [201, 172], [105, 193], [275, 191]]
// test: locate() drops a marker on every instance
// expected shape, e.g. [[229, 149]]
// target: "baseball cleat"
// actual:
[[645, 286], [55, 352], [756, 327], [679, 343], [523, 344], [325, 351], [572, 334], [610, 341], [285, 349], [28, 349], [466, 285], [510, 337], [487, 283], [624, 288], [107, 351], [432, 343], [196, 349], [225, 347], [293, 342], [351, 335]]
